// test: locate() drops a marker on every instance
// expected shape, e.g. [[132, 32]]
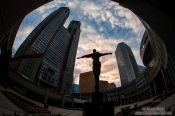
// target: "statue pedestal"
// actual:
[[97, 97], [97, 107]]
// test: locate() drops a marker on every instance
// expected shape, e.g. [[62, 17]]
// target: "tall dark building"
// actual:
[[58, 46], [127, 65], [74, 30]]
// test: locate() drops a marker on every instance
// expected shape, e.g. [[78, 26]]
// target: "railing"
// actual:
[[10, 112], [25, 104]]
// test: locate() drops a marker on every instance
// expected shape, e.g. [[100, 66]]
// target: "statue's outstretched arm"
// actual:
[[106, 54], [85, 56]]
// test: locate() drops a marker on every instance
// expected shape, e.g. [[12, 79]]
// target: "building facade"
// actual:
[[12, 13], [137, 90], [87, 82], [57, 46], [111, 86], [75, 88], [127, 65], [103, 85], [158, 61], [74, 30]]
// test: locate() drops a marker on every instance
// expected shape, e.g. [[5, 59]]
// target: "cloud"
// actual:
[[21, 35], [104, 24]]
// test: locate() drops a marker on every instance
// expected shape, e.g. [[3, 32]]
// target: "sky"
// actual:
[[104, 24]]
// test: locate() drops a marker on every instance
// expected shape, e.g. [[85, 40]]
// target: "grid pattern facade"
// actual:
[[58, 47], [74, 29], [127, 65], [54, 57], [39, 29]]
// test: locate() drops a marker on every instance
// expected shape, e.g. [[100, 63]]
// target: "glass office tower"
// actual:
[[127, 64], [58, 46]]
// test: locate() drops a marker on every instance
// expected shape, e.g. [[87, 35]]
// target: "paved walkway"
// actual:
[[7, 105], [167, 102], [118, 108], [65, 112]]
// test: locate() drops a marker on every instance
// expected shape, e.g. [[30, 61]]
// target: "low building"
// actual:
[[103, 85], [86, 82], [75, 88]]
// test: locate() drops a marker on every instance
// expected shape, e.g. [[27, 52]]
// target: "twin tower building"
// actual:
[[55, 47]]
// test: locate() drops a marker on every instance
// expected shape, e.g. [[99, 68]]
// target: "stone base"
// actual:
[[97, 97], [103, 109], [97, 107]]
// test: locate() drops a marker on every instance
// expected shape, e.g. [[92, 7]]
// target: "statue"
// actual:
[[96, 65]]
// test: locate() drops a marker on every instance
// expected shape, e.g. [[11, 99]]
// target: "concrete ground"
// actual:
[[65, 112], [168, 101], [9, 107]]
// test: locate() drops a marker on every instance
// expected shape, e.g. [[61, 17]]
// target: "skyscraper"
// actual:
[[127, 65], [74, 30], [58, 46]]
